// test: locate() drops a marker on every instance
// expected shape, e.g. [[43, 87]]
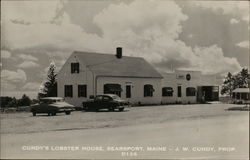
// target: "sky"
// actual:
[[207, 36]]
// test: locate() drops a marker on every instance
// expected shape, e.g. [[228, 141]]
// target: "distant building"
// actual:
[[87, 74], [241, 95]]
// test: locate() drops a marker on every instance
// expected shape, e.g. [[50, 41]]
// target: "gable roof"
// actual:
[[109, 65], [241, 90]]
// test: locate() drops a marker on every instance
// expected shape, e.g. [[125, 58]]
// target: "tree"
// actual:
[[24, 101], [13, 102], [231, 82], [228, 85], [5, 101], [49, 88], [242, 79]]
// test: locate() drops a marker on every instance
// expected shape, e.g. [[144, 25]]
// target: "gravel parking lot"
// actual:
[[25, 123]]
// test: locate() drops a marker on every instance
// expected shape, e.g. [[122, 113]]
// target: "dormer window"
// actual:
[[75, 67]]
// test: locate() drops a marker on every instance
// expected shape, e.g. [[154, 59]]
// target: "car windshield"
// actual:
[[116, 97]]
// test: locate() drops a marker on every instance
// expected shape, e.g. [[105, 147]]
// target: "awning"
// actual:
[[241, 90], [150, 87], [113, 87], [191, 89]]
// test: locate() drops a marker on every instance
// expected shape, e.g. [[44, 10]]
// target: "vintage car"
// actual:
[[52, 106], [105, 101]]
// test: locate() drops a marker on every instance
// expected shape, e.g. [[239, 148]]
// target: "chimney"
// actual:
[[119, 52]]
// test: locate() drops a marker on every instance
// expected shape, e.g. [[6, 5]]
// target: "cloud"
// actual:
[[234, 21], [235, 8], [148, 29], [31, 86], [28, 12], [27, 57], [154, 36], [210, 60], [244, 44], [28, 64], [5, 54], [190, 36], [14, 77], [5, 86]]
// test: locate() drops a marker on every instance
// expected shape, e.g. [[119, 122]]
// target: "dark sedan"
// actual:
[[52, 106], [105, 101]]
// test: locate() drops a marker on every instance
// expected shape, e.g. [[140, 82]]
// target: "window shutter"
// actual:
[[65, 95], [77, 67], [79, 92], [71, 91], [72, 67]]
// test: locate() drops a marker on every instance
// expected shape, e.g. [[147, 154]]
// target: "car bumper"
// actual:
[[65, 109], [123, 106]]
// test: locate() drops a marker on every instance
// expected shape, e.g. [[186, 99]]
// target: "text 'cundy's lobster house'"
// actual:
[[87, 74]]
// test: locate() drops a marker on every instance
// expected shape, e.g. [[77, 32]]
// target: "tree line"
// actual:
[[7, 102], [49, 89]]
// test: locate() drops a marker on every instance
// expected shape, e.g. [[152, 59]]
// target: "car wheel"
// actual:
[[67, 112], [86, 108], [34, 113], [111, 109], [121, 109], [53, 113]]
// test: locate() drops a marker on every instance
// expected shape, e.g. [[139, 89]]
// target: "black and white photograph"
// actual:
[[125, 79]]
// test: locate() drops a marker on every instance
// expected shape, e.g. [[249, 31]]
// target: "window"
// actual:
[[237, 95], [82, 90], [128, 91], [98, 98], [167, 92], [234, 95], [74, 67], [68, 91], [148, 90], [112, 89], [106, 98], [244, 96], [190, 91]]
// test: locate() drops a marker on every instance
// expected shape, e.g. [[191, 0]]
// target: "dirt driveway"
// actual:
[[173, 132], [26, 123]]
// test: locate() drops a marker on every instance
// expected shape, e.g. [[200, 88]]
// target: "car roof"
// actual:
[[51, 98]]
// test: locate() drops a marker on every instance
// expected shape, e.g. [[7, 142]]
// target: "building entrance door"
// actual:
[[128, 91], [208, 93]]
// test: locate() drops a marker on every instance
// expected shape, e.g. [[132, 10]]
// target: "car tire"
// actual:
[[111, 109], [34, 113], [67, 112], [86, 108], [53, 113], [121, 109]]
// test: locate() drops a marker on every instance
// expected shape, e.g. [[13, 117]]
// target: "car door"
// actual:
[[98, 102], [42, 107], [106, 101]]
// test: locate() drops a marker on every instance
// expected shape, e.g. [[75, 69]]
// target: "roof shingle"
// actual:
[[109, 65]]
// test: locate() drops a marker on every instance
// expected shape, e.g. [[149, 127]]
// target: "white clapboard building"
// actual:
[[189, 87], [87, 74]]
